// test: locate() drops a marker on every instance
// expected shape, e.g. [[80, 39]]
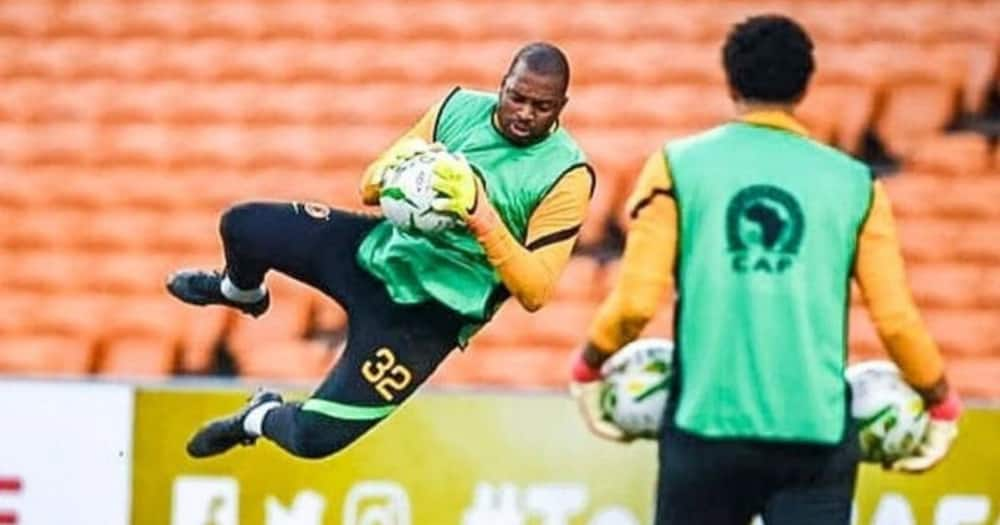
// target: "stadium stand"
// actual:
[[125, 128]]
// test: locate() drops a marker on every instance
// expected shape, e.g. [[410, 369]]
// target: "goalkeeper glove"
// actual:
[[457, 187], [585, 387], [941, 432], [403, 150]]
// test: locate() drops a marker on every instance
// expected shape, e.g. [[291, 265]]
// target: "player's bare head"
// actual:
[[768, 59], [533, 93]]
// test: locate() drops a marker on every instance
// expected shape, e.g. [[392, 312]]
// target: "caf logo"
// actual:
[[764, 227]]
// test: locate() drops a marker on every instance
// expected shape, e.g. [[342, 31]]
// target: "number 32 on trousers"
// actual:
[[385, 375]]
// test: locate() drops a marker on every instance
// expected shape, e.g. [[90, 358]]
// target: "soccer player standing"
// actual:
[[762, 229], [410, 298]]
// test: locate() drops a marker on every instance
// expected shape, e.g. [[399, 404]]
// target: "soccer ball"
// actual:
[[890, 414], [407, 194], [636, 381]]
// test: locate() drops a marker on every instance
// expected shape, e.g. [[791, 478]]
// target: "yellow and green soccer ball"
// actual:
[[890, 415], [407, 194], [636, 386]]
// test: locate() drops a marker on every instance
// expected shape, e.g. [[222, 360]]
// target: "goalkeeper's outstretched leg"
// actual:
[[391, 348], [386, 359]]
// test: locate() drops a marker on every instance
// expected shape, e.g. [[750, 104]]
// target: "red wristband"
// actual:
[[582, 372], [948, 409]]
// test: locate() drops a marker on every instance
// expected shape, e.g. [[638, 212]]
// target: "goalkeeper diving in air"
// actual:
[[761, 230], [521, 194]]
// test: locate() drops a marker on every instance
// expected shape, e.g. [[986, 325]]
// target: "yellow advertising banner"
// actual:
[[479, 459]]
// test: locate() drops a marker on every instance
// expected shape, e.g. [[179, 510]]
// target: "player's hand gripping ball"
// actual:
[[636, 386], [407, 194], [890, 414]]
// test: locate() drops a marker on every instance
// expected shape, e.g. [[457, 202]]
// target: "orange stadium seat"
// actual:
[[292, 147], [86, 19], [504, 329], [62, 144], [901, 127], [652, 63], [140, 103], [290, 103], [335, 189], [185, 232], [14, 143], [608, 277], [195, 60], [288, 319], [126, 273], [126, 59], [327, 315], [158, 19], [203, 330], [976, 22], [967, 333], [209, 146], [19, 99], [597, 22], [989, 287], [368, 20], [135, 145], [69, 101], [433, 21], [45, 354], [838, 114], [313, 19], [558, 324], [288, 359], [577, 280], [137, 356], [15, 309], [941, 285], [156, 190], [115, 231], [958, 153], [975, 377], [863, 339], [662, 324], [691, 22], [154, 316], [68, 188], [905, 21], [267, 60], [230, 20], [928, 239], [521, 365], [68, 313], [978, 61], [975, 242], [599, 212], [928, 195], [25, 19], [343, 61], [37, 229], [142, 336], [46, 58], [41, 272], [352, 147]]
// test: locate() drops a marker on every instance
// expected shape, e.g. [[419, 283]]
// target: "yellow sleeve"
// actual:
[[648, 262], [881, 276], [530, 272], [424, 129]]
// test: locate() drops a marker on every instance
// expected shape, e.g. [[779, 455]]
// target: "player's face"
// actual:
[[529, 105]]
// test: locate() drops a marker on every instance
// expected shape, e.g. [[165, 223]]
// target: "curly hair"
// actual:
[[768, 58]]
